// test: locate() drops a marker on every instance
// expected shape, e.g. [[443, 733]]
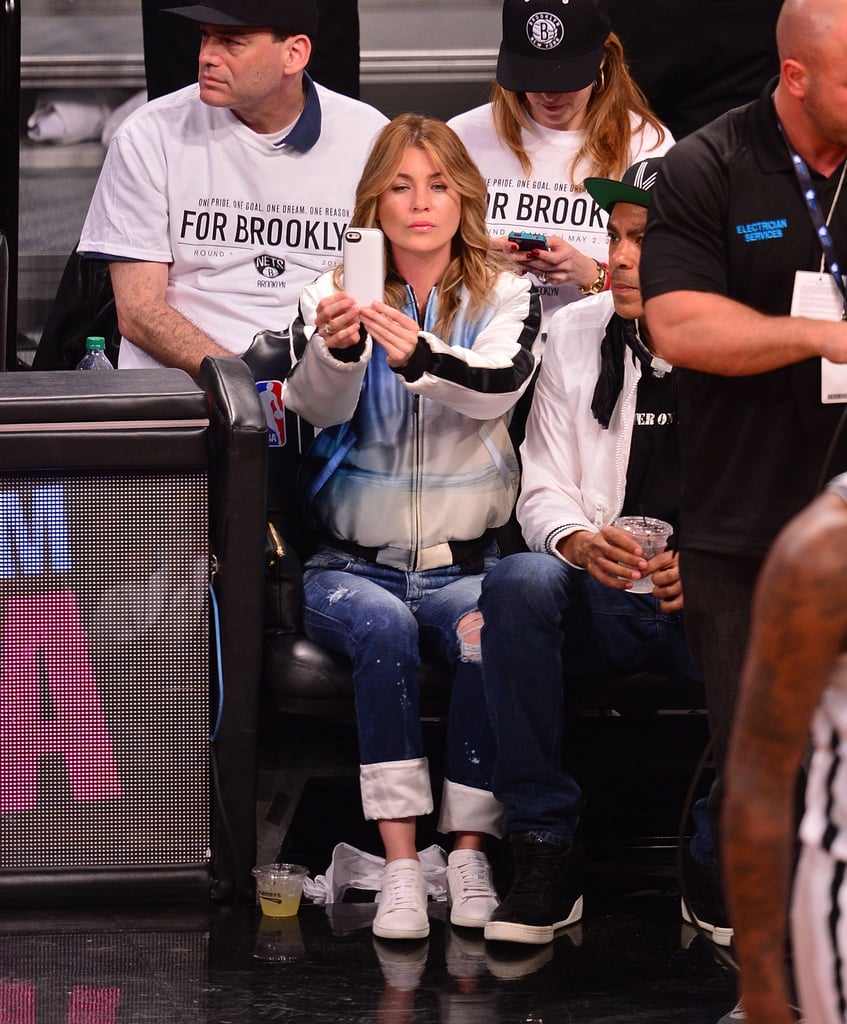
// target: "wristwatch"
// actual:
[[599, 284]]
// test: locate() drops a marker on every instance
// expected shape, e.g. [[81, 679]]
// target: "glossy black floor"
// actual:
[[630, 960]]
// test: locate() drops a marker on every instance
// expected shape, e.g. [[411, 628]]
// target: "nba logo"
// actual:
[[270, 392]]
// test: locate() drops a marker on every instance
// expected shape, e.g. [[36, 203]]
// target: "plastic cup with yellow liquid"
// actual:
[[279, 888]]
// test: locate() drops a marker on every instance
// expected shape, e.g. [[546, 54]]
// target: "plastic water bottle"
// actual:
[[95, 357]]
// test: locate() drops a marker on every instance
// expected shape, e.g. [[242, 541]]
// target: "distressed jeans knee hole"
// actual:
[[469, 630]]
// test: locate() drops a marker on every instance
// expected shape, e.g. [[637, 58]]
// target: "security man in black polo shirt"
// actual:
[[743, 290]]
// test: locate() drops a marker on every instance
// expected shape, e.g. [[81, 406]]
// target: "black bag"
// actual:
[[84, 306]]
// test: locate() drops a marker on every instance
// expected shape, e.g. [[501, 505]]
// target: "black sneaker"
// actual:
[[546, 892], [702, 900]]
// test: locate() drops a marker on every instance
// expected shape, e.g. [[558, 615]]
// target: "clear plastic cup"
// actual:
[[279, 888], [652, 535]]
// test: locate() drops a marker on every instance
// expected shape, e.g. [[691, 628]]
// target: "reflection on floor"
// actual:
[[630, 960]]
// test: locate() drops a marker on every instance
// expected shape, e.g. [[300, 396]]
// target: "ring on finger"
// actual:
[[328, 327], [543, 276]]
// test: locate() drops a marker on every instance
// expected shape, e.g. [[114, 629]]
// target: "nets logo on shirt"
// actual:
[[269, 266]]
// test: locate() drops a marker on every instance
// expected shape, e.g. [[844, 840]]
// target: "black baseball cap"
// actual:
[[298, 16], [634, 187], [551, 45]]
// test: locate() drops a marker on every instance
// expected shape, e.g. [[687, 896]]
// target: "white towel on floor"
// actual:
[[354, 869]]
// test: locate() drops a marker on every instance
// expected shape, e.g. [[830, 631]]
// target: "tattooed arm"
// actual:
[[798, 631]]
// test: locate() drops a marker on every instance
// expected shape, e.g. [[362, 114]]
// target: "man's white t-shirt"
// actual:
[[546, 200], [245, 221]]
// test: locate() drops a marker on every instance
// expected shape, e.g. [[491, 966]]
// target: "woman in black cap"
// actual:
[[564, 107]]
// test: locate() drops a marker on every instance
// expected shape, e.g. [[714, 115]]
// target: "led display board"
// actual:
[[104, 670]]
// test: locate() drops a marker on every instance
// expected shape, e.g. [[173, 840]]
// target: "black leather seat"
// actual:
[[307, 679]]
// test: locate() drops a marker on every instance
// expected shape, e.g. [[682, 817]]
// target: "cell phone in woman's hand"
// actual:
[[364, 265], [526, 241]]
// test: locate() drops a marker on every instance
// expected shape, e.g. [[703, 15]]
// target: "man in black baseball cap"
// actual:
[[292, 17], [170, 47], [550, 46], [249, 81], [626, 201], [600, 443]]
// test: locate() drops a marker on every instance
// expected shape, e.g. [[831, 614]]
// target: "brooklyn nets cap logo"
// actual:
[[544, 30]]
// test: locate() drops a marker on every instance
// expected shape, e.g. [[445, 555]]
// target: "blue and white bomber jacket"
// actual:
[[408, 462]]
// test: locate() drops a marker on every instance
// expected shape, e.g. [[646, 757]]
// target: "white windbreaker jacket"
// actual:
[[414, 465]]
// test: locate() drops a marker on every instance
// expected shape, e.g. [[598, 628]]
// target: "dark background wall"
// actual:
[[697, 58]]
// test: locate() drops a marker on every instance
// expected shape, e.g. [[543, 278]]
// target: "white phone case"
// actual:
[[364, 265]]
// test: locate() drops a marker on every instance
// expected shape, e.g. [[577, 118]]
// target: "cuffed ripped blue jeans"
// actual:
[[542, 618], [382, 619]]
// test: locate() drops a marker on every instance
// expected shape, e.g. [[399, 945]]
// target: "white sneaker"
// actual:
[[401, 911], [473, 898]]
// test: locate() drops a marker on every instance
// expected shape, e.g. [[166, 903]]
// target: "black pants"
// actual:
[[171, 45], [718, 599]]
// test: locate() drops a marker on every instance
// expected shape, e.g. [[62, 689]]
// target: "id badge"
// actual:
[[817, 297]]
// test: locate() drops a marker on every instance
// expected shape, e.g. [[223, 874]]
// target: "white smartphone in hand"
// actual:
[[364, 265]]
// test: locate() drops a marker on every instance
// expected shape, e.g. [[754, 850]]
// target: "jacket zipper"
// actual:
[[417, 512]]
